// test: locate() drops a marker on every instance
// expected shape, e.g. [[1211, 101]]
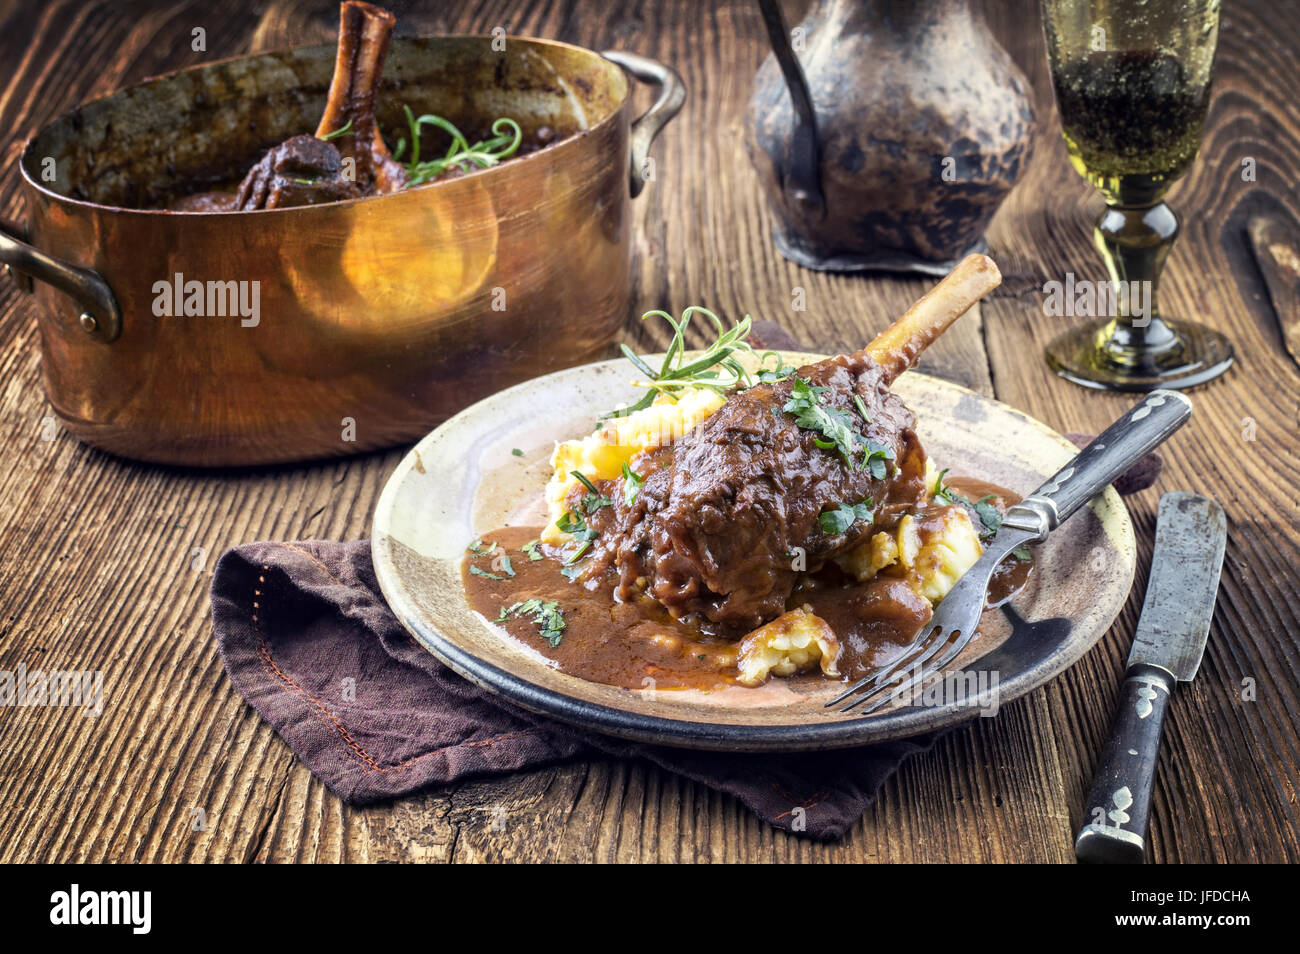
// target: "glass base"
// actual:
[[1167, 354]]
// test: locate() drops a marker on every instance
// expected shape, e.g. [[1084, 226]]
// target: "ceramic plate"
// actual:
[[463, 480]]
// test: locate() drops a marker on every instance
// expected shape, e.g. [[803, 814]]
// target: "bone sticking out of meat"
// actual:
[[364, 33], [898, 346], [728, 515], [308, 170]]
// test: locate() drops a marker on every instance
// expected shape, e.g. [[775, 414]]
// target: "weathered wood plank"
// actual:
[[98, 567]]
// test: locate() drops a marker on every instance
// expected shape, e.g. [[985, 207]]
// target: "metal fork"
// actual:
[[957, 617]]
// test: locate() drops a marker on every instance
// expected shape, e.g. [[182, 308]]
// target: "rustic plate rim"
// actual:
[[715, 736]]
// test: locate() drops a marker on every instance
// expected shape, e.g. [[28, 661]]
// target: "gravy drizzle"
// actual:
[[636, 644]]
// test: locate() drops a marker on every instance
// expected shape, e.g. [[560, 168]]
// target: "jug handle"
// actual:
[[803, 175]]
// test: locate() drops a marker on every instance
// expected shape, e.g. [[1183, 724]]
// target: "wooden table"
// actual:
[[106, 565]]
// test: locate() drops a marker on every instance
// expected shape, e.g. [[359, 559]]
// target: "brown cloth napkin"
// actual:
[[308, 640]]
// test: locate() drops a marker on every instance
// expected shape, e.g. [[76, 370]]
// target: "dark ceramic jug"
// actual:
[[886, 133]]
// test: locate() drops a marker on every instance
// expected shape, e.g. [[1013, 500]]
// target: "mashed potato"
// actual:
[[932, 555], [792, 642], [929, 553], [601, 456]]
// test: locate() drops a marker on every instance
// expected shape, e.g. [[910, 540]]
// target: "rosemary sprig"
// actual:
[[461, 154], [338, 133], [717, 369]]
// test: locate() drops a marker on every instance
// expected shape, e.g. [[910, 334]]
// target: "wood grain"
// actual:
[[105, 564]]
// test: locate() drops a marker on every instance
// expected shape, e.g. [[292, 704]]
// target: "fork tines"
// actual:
[[877, 690]]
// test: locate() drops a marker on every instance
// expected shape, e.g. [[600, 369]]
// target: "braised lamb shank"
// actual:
[[728, 516], [346, 158]]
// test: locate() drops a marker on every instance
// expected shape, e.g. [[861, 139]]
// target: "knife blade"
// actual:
[[1191, 536]]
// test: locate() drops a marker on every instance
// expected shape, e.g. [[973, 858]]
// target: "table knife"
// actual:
[[1191, 534]]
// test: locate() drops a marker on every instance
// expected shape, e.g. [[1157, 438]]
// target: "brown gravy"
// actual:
[[637, 644]]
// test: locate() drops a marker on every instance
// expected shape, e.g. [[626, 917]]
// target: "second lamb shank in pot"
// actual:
[[346, 158]]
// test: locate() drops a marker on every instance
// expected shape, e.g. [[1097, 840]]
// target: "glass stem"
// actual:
[[1134, 241]]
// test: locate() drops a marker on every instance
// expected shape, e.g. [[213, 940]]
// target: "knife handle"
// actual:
[[1117, 449], [1119, 805]]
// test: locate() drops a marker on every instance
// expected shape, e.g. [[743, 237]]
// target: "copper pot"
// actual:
[[331, 329]]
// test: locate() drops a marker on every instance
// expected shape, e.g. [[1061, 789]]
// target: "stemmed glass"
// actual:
[[1132, 81]]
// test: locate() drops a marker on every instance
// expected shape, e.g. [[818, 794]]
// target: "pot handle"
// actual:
[[672, 93], [100, 318]]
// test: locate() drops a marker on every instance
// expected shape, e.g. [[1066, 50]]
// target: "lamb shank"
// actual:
[[347, 157], [728, 516]]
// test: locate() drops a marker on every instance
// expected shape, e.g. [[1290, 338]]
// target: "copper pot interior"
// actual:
[[138, 148]]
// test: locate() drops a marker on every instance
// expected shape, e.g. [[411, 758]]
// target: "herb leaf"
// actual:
[[836, 427], [941, 490], [491, 576], [632, 482], [478, 549], [571, 523], [844, 516], [533, 549], [862, 408], [506, 137], [718, 368], [547, 616], [775, 375], [341, 131], [990, 516], [594, 499]]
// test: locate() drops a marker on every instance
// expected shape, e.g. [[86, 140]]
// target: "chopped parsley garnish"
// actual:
[[990, 516], [505, 565], [571, 523], [941, 490], [547, 616], [533, 549], [632, 482], [836, 427], [844, 516], [517, 452], [877, 454], [776, 375], [594, 499], [491, 576], [862, 408], [478, 549]]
